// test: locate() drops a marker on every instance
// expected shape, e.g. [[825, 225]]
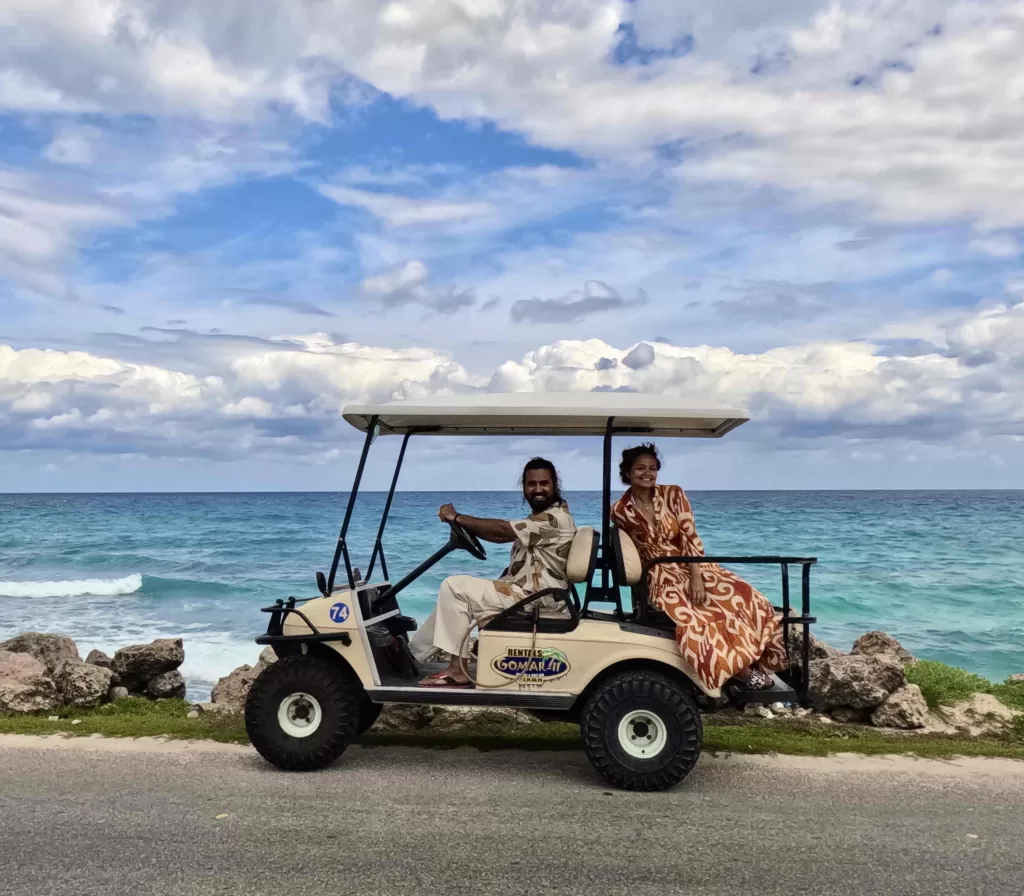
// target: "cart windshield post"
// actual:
[[341, 549]]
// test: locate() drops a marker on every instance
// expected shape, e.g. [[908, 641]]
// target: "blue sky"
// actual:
[[220, 225]]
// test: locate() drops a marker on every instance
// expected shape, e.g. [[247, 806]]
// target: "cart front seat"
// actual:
[[579, 568]]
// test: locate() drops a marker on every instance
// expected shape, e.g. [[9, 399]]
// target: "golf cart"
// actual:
[[615, 669]]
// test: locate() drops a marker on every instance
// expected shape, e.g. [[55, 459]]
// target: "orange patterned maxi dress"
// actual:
[[735, 626]]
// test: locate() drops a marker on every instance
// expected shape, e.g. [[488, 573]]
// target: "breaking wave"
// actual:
[[73, 588]]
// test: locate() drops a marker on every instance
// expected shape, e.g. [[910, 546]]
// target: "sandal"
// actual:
[[756, 680], [443, 680], [760, 681]]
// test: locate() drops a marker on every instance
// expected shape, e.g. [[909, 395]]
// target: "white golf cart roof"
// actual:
[[546, 414]]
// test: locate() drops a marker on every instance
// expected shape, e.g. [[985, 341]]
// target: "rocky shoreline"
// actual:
[[868, 686]]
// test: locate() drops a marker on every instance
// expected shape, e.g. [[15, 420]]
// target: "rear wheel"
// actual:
[[302, 712], [642, 730]]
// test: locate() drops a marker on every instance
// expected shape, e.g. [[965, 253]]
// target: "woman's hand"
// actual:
[[697, 593]]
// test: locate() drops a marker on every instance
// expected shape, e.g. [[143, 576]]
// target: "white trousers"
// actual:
[[460, 600]]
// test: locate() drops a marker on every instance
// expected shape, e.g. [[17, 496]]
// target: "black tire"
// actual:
[[333, 712], [368, 714], [637, 703]]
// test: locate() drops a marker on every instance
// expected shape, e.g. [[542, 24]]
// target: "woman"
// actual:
[[724, 627]]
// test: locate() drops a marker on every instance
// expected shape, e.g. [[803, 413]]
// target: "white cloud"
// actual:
[[934, 131], [22, 92], [402, 211], [997, 245], [152, 57], [39, 226], [73, 146], [410, 284], [291, 392], [108, 180], [411, 274]]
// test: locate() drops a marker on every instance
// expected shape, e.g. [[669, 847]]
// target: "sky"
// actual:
[[221, 223]]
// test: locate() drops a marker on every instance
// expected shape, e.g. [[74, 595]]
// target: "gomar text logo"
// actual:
[[535, 665]]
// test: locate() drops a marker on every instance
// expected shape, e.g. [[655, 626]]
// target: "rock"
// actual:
[[50, 650], [862, 682], [404, 717], [801, 712], [980, 715], [194, 714], [1018, 677], [880, 644], [232, 690], [135, 666], [82, 684], [168, 685], [779, 708], [99, 658], [212, 707], [819, 649], [24, 684], [479, 718], [756, 709], [905, 708], [118, 693], [484, 719], [850, 716]]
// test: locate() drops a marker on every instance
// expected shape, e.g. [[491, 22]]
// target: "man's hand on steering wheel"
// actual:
[[466, 538]]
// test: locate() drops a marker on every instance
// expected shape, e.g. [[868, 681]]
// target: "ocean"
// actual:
[[941, 571]]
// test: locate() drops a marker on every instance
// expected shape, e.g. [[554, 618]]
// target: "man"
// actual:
[[540, 549]]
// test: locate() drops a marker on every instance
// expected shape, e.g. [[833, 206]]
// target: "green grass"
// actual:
[[132, 717], [790, 739], [797, 740], [167, 718], [944, 685], [1011, 693]]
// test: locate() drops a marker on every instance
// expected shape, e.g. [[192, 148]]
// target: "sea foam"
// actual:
[[73, 587]]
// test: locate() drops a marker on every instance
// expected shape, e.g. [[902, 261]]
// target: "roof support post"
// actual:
[[341, 549], [606, 502], [378, 546]]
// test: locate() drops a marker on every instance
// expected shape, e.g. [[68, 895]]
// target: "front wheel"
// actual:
[[642, 730], [302, 712]]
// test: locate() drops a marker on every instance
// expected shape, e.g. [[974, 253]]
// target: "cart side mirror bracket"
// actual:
[[321, 584]]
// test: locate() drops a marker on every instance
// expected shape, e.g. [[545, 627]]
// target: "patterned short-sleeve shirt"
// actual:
[[539, 553]]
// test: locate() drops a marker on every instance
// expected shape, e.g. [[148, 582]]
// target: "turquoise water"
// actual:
[[942, 571]]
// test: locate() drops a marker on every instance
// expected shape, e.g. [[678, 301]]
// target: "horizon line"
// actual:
[[510, 491]]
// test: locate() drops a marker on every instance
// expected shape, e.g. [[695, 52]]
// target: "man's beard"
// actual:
[[541, 502]]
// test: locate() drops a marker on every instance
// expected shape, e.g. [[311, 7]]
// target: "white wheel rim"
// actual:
[[642, 734], [299, 715]]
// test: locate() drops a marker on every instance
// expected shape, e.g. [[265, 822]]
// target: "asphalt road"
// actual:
[[102, 818]]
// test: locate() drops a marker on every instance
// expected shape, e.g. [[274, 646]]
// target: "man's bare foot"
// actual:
[[451, 677]]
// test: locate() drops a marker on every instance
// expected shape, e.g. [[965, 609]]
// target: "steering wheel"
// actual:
[[467, 540]]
